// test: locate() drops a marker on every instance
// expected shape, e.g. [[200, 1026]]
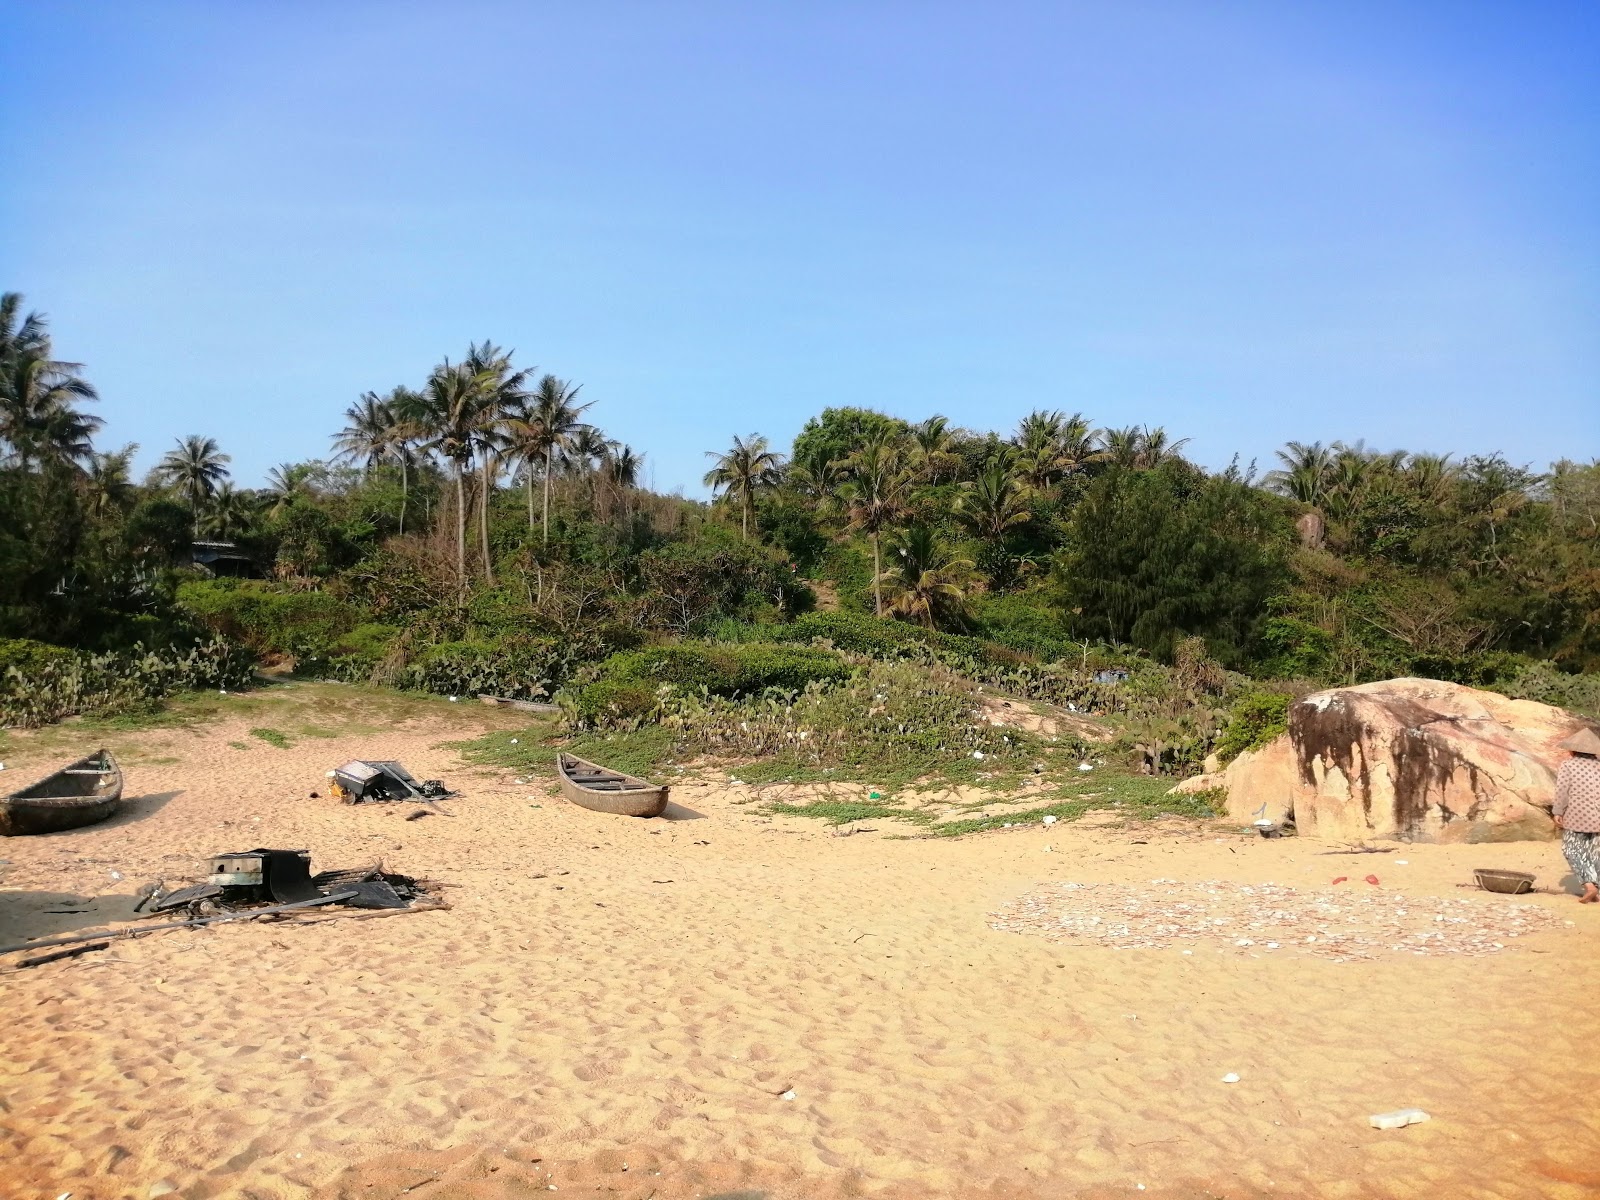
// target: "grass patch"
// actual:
[[640, 752], [842, 812], [273, 737], [1135, 797]]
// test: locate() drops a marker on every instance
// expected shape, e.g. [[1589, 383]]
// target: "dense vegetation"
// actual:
[[478, 532]]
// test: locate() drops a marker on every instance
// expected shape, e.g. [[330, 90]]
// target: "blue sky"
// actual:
[[1245, 222]]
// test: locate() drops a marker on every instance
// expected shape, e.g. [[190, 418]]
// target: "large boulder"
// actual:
[[1409, 759]]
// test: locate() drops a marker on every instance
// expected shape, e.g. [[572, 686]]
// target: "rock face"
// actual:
[[1410, 759]]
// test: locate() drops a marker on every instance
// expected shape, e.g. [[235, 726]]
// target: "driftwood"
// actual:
[[60, 954], [138, 931]]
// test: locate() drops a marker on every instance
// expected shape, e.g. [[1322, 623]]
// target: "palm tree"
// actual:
[[925, 581], [108, 483], [744, 470], [30, 335], [548, 422], [1121, 446], [367, 436], [503, 396], [194, 469], [405, 432], [1305, 472], [230, 513], [286, 483], [38, 394], [1155, 448], [1076, 444], [619, 470], [935, 446], [447, 415], [994, 503], [874, 497]]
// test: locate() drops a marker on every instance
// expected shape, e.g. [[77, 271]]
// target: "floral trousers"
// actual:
[[1583, 854]]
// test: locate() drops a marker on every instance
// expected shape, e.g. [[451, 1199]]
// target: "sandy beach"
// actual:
[[725, 1002]]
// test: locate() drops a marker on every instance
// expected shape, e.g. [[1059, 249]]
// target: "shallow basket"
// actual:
[[1511, 883]]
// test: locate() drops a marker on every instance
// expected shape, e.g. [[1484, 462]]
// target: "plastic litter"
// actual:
[[1398, 1119], [1373, 880], [1049, 819], [1230, 1077]]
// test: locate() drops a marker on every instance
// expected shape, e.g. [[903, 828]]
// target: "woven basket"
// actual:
[[1510, 883]]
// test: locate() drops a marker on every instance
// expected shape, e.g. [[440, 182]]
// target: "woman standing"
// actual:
[[1577, 810]]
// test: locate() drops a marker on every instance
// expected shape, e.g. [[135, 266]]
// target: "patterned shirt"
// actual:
[[1578, 794]]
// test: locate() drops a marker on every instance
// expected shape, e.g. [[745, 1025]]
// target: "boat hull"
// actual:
[[644, 800], [82, 794]]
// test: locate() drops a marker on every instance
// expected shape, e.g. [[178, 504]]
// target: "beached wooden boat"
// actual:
[[592, 786], [87, 791], [533, 706]]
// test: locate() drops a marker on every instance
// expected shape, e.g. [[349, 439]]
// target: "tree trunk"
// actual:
[[877, 576], [744, 512], [461, 526], [549, 466], [483, 522], [405, 493], [527, 483]]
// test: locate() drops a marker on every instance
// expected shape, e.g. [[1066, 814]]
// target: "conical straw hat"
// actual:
[[1585, 741]]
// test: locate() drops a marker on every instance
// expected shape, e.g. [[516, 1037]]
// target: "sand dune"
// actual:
[[608, 994]]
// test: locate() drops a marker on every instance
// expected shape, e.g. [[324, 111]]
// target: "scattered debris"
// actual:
[[363, 782], [1399, 1119], [1231, 1077], [1270, 918]]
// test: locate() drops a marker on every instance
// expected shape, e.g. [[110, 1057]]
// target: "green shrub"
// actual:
[[1544, 682], [112, 683], [1255, 720], [27, 655], [631, 685], [304, 625], [616, 703], [519, 668]]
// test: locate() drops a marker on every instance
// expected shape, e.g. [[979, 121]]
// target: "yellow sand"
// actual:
[[610, 993]]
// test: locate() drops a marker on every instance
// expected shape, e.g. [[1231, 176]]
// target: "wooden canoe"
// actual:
[[592, 786], [533, 706], [87, 791]]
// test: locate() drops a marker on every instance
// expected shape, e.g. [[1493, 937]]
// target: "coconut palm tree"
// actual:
[[503, 394], [1155, 447], [108, 482], [194, 470], [1305, 473], [935, 447], [925, 581], [994, 503], [286, 483], [1121, 446], [39, 393], [367, 436], [230, 513], [38, 414], [619, 471], [25, 335], [403, 437], [448, 415], [547, 422], [747, 468], [875, 498]]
